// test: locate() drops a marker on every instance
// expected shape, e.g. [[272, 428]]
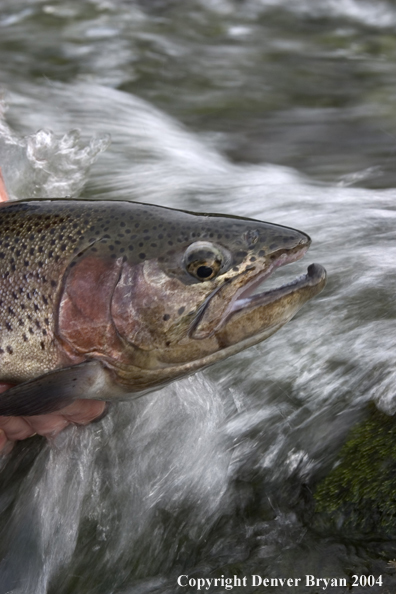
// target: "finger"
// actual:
[[80, 412], [48, 425], [16, 428], [83, 412], [3, 192]]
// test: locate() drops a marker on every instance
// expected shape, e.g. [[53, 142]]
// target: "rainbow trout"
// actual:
[[108, 299]]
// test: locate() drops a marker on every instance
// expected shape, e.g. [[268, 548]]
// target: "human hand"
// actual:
[[80, 412]]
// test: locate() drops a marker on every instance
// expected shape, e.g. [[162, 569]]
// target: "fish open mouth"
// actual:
[[315, 275], [211, 317], [245, 296]]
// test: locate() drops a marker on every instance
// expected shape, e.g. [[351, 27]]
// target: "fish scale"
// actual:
[[38, 241], [103, 299], [36, 248]]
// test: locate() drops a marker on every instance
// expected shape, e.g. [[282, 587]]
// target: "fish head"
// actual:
[[193, 302]]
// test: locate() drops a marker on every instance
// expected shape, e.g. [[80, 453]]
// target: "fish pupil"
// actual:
[[204, 271]]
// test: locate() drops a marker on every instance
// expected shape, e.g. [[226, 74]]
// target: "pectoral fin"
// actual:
[[56, 389]]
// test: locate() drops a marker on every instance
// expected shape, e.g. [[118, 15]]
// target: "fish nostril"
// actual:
[[251, 237]]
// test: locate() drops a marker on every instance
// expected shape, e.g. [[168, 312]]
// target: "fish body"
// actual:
[[107, 299]]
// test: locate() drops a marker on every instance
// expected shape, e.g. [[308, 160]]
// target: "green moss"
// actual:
[[359, 494]]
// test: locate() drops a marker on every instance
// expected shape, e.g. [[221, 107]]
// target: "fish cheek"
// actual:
[[84, 320], [137, 309]]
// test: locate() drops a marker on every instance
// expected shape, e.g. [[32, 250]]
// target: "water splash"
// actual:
[[207, 472], [45, 165]]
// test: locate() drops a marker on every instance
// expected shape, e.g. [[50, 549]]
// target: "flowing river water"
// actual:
[[283, 111]]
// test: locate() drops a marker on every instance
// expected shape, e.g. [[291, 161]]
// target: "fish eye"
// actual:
[[203, 260]]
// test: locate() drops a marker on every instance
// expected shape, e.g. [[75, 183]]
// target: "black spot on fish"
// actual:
[[241, 254], [166, 317], [8, 326], [25, 338], [261, 253], [142, 255], [10, 350], [11, 311], [181, 310], [42, 344]]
